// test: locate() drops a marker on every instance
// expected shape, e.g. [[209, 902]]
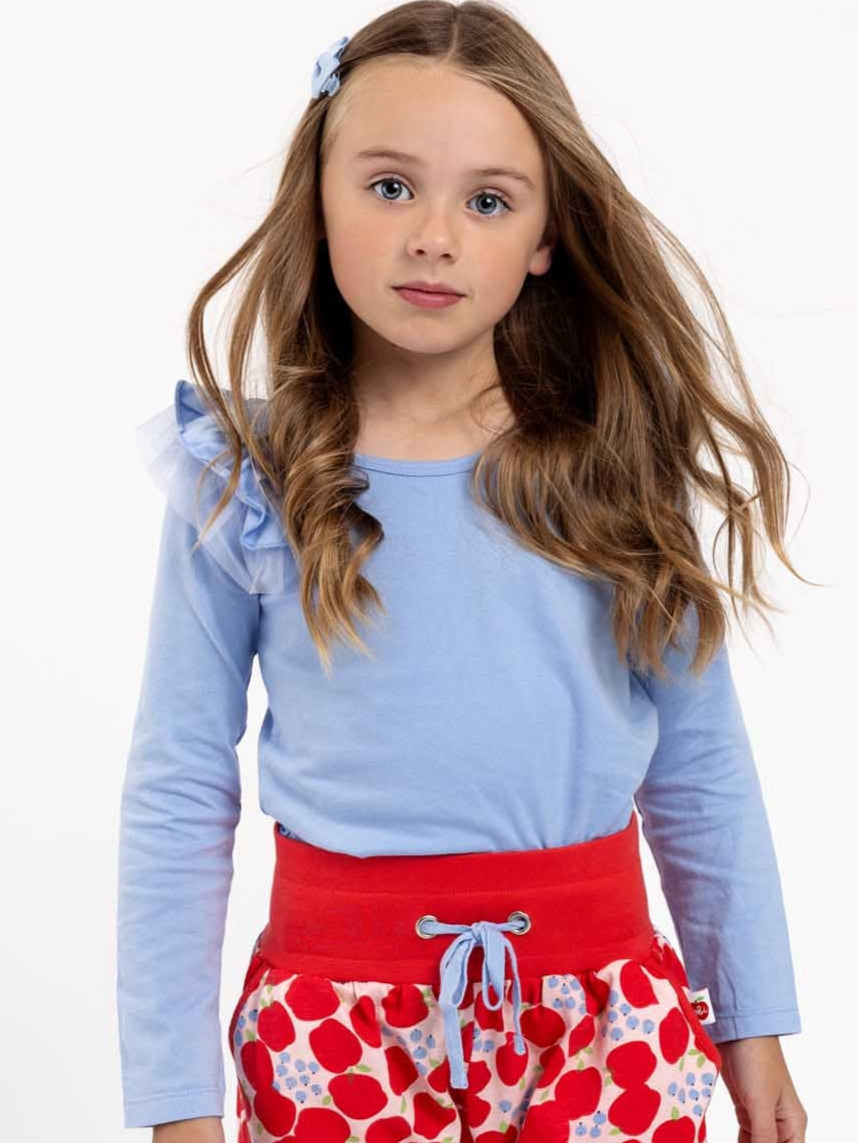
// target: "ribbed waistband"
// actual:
[[354, 918], [569, 909]]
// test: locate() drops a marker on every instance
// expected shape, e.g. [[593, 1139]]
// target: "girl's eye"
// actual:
[[389, 180]]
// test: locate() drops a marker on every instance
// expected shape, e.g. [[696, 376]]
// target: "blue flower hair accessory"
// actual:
[[325, 79]]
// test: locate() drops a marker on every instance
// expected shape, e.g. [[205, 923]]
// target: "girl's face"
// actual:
[[439, 210]]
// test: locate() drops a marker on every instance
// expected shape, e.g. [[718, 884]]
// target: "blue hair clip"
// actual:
[[325, 78]]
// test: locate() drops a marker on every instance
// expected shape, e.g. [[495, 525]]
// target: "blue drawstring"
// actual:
[[454, 980]]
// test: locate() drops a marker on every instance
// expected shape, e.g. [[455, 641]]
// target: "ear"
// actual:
[[540, 263]]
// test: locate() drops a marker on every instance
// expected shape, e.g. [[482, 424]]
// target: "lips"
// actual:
[[429, 288]]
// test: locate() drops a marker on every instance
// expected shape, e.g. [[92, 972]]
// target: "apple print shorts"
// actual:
[[364, 1015]]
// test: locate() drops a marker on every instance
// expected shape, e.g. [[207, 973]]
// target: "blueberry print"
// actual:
[[616, 1053]]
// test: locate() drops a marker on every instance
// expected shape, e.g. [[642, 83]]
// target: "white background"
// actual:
[[141, 144]]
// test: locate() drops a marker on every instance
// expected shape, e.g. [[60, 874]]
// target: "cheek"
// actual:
[[499, 272], [356, 247]]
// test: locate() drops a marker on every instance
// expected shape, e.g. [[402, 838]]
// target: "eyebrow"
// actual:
[[483, 172]]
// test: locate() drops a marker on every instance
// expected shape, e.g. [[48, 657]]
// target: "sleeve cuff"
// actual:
[[781, 1022], [176, 1105]]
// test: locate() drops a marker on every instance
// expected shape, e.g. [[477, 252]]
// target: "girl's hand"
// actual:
[[204, 1129], [759, 1083]]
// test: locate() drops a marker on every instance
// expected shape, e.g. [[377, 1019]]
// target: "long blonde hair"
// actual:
[[602, 361]]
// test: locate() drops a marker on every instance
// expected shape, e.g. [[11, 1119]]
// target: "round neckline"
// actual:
[[417, 467]]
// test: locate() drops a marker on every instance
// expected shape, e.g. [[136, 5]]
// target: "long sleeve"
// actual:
[[180, 805], [705, 821]]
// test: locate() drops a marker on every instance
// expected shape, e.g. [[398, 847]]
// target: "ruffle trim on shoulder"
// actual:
[[247, 539]]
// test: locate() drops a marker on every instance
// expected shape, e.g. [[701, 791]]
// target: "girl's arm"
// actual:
[[180, 806], [703, 816]]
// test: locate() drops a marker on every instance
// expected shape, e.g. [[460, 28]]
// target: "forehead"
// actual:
[[431, 111]]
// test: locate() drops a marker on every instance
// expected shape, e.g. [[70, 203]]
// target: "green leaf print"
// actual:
[[674, 1112], [364, 1068], [327, 1099]]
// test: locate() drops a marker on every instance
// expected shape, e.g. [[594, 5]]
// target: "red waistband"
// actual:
[[353, 918]]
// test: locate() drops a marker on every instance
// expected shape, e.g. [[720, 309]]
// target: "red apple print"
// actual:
[[578, 1092], [636, 986], [545, 1123], [552, 1061], [673, 1035], [274, 1026], [321, 1125], [702, 1133], [508, 1136], [335, 1046], [430, 1118], [542, 1025], [479, 1076], [274, 1111], [581, 1035], [509, 1065], [467, 1034], [404, 1006], [439, 1078], [634, 1110], [401, 1069], [311, 998], [244, 1133], [357, 1095], [596, 991], [631, 1064], [489, 1019], [256, 1064], [392, 1130], [675, 1131], [364, 1021], [477, 1109]]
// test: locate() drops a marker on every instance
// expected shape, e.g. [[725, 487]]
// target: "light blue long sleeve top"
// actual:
[[495, 715]]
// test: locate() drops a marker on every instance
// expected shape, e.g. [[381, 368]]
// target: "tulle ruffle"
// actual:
[[247, 538]]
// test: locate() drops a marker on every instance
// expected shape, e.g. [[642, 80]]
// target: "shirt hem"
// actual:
[[742, 1026], [148, 1111]]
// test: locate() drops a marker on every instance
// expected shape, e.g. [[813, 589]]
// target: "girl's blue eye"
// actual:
[[483, 194]]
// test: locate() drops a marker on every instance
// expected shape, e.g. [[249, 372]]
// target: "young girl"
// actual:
[[486, 400]]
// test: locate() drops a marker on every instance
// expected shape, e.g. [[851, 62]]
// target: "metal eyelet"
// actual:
[[514, 917], [420, 920]]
